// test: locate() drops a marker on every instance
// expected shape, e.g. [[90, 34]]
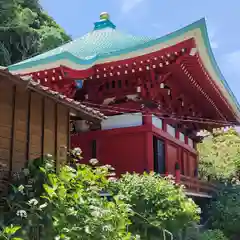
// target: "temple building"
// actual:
[[158, 93]]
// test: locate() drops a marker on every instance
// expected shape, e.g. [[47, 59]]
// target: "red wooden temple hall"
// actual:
[[158, 93]]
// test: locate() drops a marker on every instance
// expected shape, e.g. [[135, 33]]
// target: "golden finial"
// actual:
[[104, 16]]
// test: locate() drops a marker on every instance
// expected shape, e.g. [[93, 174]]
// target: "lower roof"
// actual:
[[86, 112]]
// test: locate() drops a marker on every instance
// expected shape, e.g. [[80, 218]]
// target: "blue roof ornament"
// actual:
[[104, 22]]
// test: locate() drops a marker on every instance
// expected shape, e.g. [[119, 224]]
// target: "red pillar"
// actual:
[[166, 155], [164, 125], [147, 120], [177, 134], [149, 152]]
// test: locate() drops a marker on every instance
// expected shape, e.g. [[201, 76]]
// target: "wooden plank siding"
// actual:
[[6, 110], [35, 133], [62, 130], [49, 127], [30, 125], [20, 129]]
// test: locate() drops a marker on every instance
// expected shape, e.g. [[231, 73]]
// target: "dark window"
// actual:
[[126, 83], [159, 155], [94, 149], [113, 84], [119, 83]]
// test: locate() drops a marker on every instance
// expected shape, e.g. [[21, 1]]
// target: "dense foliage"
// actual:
[[204, 234], [220, 159], [212, 235], [225, 211], [220, 155], [26, 30], [67, 204], [157, 204]]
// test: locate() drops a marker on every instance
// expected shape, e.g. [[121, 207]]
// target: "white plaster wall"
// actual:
[[171, 130], [181, 137], [122, 121], [190, 142], [157, 122]]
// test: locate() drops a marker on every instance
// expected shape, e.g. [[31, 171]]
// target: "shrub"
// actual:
[[212, 235], [157, 204], [67, 204]]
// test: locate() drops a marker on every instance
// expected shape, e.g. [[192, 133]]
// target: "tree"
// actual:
[[25, 31], [224, 211], [220, 155], [158, 205], [220, 159]]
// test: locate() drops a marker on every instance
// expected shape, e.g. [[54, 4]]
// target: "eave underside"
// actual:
[[189, 68]]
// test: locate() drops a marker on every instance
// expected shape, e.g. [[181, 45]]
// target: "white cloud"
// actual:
[[128, 5], [232, 61], [213, 44], [211, 35]]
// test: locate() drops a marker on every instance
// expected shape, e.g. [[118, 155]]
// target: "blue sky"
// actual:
[[157, 18]]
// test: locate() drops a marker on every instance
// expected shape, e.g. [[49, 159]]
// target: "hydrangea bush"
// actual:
[[67, 204], [160, 206]]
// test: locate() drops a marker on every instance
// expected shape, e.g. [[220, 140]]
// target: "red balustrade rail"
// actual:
[[196, 185]]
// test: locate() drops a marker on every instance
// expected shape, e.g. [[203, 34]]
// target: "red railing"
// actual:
[[198, 186]]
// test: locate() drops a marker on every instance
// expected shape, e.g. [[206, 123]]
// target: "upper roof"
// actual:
[[106, 44], [103, 40], [86, 112]]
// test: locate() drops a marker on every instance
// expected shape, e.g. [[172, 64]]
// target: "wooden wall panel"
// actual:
[[6, 104], [172, 157], [62, 133], [35, 133], [49, 127], [20, 129]]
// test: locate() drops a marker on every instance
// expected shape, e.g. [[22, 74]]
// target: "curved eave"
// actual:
[[196, 30], [210, 64]]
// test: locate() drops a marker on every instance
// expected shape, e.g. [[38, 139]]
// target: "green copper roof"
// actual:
[[104, 39]]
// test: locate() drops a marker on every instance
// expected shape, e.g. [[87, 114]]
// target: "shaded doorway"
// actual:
[[159, 155]]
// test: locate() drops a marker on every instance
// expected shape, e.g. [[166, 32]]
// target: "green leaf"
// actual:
[[11, 230]]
